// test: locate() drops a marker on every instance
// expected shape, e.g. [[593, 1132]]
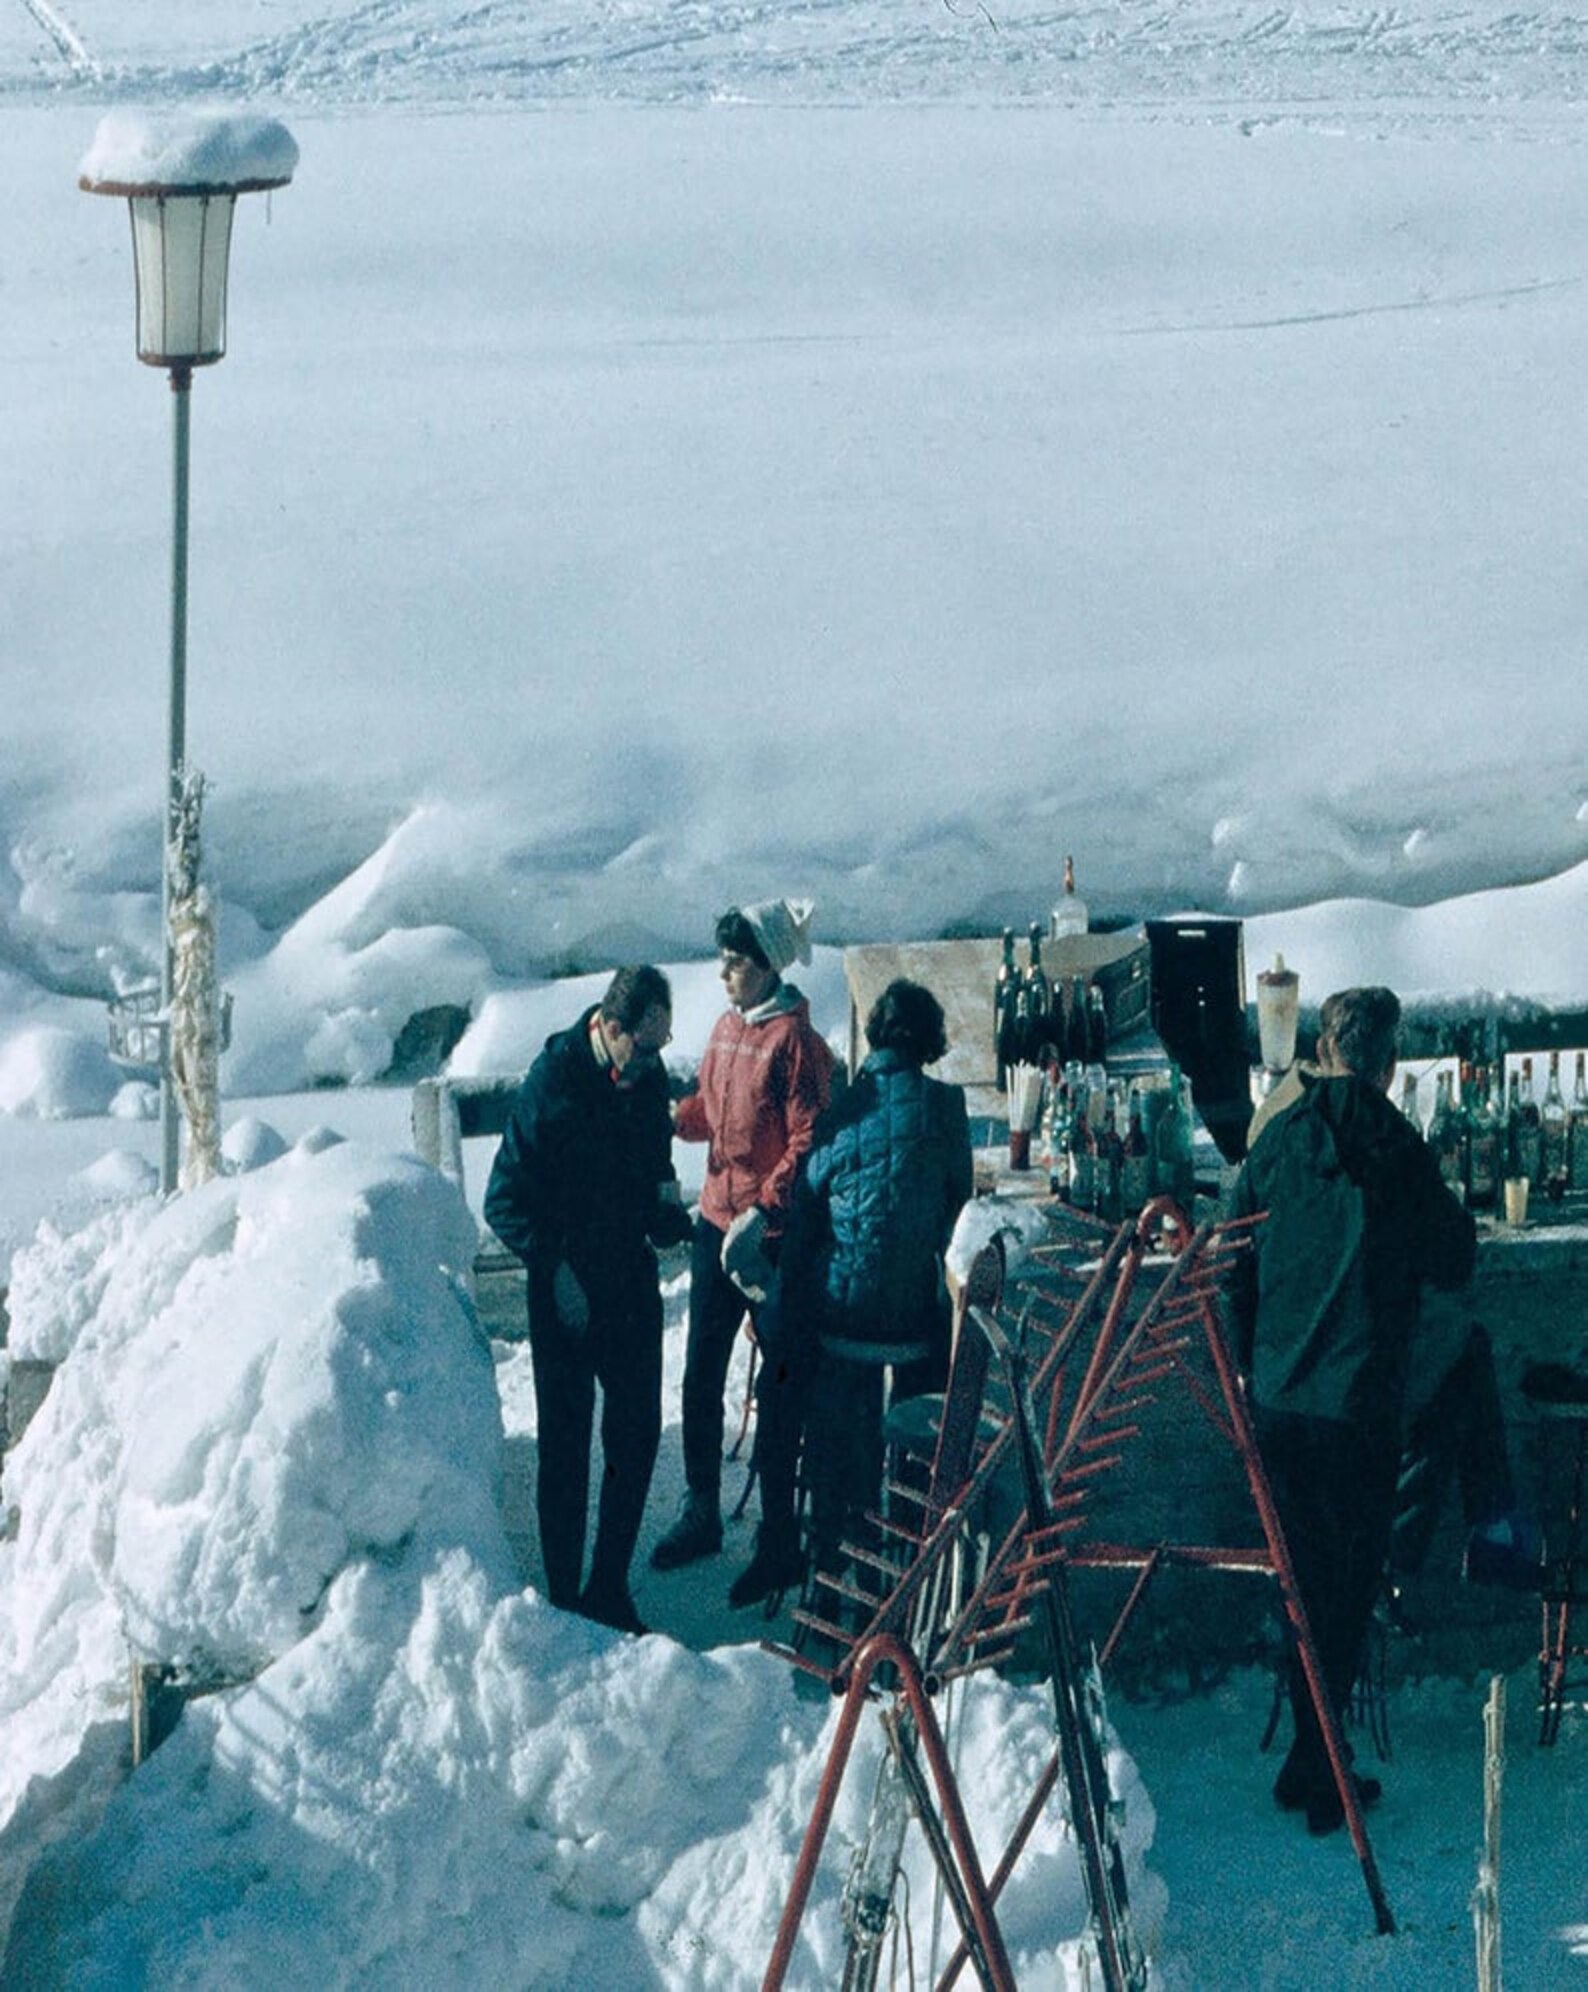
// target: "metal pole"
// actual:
[[176, 755]]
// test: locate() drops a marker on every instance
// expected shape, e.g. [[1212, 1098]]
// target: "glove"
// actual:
[[569, 1298], [743, 1258], [670, 1223]]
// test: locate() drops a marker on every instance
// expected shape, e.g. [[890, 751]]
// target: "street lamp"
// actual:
[[180, 176]]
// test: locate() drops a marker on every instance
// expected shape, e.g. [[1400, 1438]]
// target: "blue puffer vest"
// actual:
[[884, 1182]]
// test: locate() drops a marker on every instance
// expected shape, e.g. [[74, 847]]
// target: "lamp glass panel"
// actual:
[[180, 247]]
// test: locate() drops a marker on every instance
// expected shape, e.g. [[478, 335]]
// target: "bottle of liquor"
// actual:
[[1096, 1026], [1554, 1135], [1083, 1155], [1110, 1165], [1485, 1144], [1005, 990], [1447, 1137], [1056, 1140], [1075, 1045], [1578, 1144], [1070, 915], [1526, 1144], [1135, 1175], [1409, 1100], [1039, 1002], [1174, 1173]]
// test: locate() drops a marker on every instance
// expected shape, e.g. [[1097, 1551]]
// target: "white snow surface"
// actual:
[[672, 454]]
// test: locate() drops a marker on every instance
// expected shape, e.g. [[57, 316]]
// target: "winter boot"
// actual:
[[610, 1604], [696, 1533], [778, 1565]]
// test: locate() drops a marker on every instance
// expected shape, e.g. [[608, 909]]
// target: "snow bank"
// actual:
[[439, 1785], [1526, 941], [50, 1073], [328, 1001], [260, 1384], [271, 1450]]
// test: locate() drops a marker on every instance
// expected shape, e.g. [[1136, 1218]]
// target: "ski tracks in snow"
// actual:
[[73, 51]]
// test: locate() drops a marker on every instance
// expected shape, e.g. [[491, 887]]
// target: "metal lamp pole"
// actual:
[[181, 176], [175, 753]]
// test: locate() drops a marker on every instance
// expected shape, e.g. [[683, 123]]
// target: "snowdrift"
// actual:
[[271, 1453]]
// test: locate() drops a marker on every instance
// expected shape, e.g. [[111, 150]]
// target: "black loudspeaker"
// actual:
[[1199, 1013]]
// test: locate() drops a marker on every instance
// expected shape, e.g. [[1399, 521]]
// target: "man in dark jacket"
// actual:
[[1323, 1314], [582, 1188]]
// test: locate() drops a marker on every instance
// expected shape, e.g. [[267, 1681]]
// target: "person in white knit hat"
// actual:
[[765, 1077]]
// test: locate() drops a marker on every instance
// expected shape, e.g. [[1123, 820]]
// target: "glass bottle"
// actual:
[[1526, 1145], [1174, 1174], [1553, 1135], [1039, 1001], [1096, 1026], [1446, 1137], [1135, 1177], [1485, 1144], [1070, 915], [1056, 1140], [1075, 1046], [1110, 1163], [1409, 1100], [1082, 1152], [1004, 992], [1578, 1138]]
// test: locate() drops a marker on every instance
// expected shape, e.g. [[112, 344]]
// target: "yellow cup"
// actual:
[[1516, 1199]]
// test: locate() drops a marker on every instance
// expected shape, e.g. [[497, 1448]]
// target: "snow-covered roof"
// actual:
[[187, 152]]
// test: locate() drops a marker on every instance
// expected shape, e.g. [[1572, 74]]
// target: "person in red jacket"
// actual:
[[765, 1077]]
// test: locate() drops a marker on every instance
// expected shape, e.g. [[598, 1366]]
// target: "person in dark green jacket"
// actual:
[[1323, 1319]]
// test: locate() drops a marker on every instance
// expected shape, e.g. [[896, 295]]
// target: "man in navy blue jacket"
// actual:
[[582, 1189]]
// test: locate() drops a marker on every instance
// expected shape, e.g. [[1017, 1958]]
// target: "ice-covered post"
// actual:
[[180, 176], [1486, 1896], [194, 1020]]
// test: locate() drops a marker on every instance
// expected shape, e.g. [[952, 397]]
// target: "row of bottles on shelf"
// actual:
[[1483, 1130], [1109, 1148], [1038, 1020]]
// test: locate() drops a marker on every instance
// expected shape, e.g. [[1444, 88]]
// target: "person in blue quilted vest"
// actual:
[[862, 1274]]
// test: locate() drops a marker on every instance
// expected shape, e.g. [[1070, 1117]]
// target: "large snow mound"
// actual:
[[271, 1451]]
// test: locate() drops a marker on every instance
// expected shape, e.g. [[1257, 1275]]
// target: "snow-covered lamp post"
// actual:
[[180, 176]]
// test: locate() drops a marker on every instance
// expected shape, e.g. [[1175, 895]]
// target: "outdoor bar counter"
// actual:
[[1178, 1481]]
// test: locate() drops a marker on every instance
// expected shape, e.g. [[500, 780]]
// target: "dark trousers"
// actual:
[[1334, 1487], [716, 1309], [1458, 1434], [844, 1445], [621, 1350]]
